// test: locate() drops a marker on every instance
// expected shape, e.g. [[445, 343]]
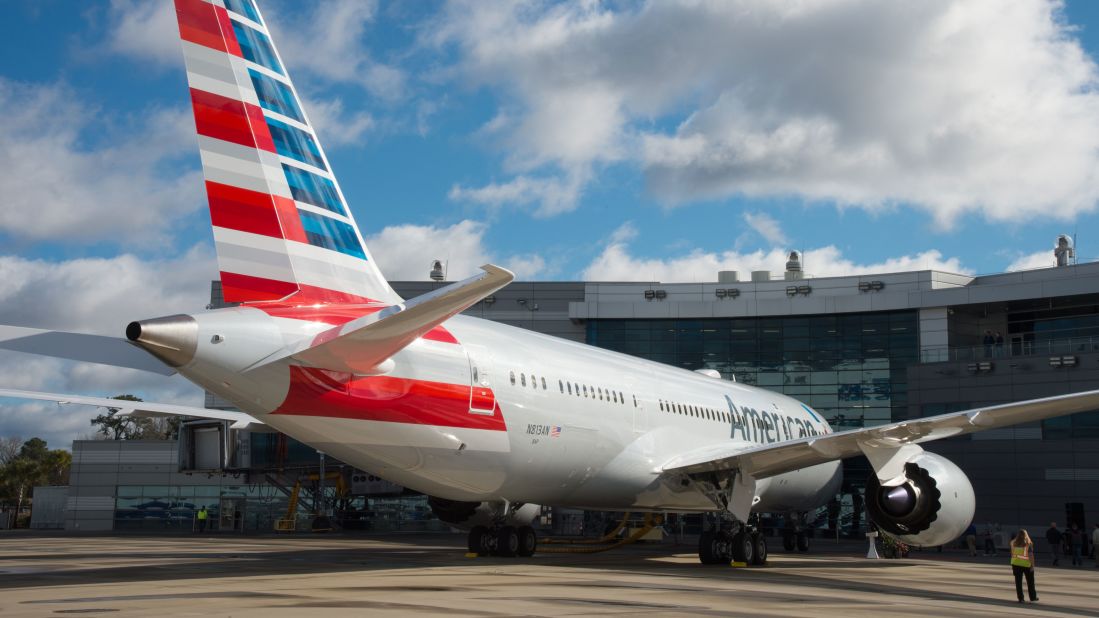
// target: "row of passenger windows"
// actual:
[[695, 411], [572, 388]]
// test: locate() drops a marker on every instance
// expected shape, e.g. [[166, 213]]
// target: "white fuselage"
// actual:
[[549, 421]]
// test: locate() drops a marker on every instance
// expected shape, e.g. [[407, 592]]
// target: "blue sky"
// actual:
[[564, 140]]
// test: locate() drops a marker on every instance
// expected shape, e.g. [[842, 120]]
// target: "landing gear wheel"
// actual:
[[707, 548], [480, 541], [803, 542], [759, 547], [507, 541], [528, 541], [789, 540], [743, 548]]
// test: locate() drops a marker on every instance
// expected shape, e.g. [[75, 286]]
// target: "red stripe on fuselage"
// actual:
[[314, 392], [244, 210], [231, 44]]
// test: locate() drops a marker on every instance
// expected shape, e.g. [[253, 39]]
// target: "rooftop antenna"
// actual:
[[438, 270]]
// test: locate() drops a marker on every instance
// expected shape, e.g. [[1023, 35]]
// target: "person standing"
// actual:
[[999, 339], [1022, 565], [1054, 538], [988, 340], [971, 539], [1095, 545], [1074, 542], [202, 515]]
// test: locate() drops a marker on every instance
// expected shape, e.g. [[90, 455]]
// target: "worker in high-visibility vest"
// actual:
[[202, 519], [1022, 563]]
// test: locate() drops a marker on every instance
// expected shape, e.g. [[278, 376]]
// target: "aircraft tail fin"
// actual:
[[282, 228]]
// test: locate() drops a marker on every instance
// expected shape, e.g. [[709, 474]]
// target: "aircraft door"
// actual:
[[482, 399]]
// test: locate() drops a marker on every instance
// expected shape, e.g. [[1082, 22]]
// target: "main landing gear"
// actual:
[[732, 541], [505, 541], [795, 535]]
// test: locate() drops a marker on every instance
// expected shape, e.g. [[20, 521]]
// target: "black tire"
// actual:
[[789, 541], [528, 541], [759, 547], [743, 548], [507, 541], [706, 548], [803, 542], [479, 541]]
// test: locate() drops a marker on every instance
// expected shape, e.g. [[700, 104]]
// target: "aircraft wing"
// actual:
[[113, 351], [138, 408], [362, 344], [773, 459]]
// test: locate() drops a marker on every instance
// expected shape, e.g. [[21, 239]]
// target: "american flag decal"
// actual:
[[555, 431]]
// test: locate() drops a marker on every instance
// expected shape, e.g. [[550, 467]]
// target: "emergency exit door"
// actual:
[[482, 399]]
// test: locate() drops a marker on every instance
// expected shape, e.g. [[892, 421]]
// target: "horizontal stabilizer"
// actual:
[[114, 351], [772, 459], [240, 420], [360, 345]]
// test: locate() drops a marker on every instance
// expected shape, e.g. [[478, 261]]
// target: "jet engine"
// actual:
[[466, 515], [930, 504]]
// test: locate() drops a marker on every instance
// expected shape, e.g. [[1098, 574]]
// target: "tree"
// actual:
[[114, 426], [9, 448], [34, 464]]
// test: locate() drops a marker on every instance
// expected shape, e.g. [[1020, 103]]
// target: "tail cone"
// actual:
[[172, 339]]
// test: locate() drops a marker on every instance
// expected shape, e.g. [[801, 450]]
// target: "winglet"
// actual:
[[361, 345]]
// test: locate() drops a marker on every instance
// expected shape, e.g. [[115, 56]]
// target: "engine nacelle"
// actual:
[[932, 506], [466, 515]]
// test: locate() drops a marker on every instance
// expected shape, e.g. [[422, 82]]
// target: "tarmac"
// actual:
[[429, 575]]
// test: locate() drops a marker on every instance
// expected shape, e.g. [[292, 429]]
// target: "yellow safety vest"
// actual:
[[202, 514], [1020, 556]]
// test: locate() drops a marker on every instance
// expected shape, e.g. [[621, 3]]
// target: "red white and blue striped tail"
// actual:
[[281, 226]]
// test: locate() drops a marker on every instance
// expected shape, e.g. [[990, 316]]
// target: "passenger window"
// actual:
[[523, 378], [585, 390], [577, 387], [635, 401], [513, 378], [600, 394], [543, 382], [561, 385], [533, 381], [568, 385], [475, 380]]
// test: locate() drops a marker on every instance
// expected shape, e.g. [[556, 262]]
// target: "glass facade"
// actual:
[[852, 368]]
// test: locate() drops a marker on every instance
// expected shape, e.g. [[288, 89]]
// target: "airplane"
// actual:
[[489, 420]]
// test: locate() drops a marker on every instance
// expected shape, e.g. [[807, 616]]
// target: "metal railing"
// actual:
[[1010, 349]]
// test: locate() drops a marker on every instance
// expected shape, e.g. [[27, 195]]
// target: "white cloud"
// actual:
[[552, 195], [766, 226], [405, 252], [145, 30], [618, 263], [92, 295], [952, 107], [102, 295], [335, 126], [330, 43], [68, 169], [1041, 259]]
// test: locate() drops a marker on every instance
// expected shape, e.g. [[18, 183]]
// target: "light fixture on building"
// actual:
[[491, 298], [871, 286], [720, 292], [794, 290], [650, 294], [1062, 361], [661, 294], [726, 292], [980, 367]]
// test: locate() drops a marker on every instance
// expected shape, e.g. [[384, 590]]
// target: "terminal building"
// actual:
[[863, 350]]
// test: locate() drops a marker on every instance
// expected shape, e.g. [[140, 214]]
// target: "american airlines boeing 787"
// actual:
[[488, 419]]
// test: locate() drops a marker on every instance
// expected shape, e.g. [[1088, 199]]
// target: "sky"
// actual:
[[655, 141]]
